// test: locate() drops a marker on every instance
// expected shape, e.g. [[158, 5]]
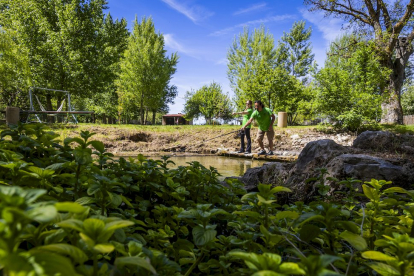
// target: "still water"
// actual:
[[226, 166]]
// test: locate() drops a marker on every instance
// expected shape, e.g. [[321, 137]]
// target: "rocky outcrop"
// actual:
[[341, 162]]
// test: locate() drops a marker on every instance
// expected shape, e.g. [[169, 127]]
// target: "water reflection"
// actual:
[[226, 166]]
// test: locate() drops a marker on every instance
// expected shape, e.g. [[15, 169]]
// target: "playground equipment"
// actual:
[[70, 112]]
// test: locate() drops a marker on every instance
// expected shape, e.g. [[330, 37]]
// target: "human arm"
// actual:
[[273, 117], [248, 123], [241, 113]]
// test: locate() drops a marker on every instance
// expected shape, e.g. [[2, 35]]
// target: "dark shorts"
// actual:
[[270, 134]]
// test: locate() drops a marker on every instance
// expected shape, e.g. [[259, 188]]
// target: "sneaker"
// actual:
[[270, 152], [247, 152], [240, 151], [262, 152]]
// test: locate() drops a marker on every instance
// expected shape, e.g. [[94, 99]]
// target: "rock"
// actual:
[[270, 173], [316, 154], [364, 167], [295, 136], [375, 140]]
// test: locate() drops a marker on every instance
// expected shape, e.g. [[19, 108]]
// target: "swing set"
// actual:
[[70, 111]]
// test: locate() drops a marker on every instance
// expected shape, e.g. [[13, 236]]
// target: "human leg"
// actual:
[[249, 140], [242, 134]]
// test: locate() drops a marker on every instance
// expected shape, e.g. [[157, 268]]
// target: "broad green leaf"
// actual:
[[384, 269], [118, 224], [308, 232], [104, 248], [72, 224], [42, 213], [203, 236], [135, 261], [264, 201], [64, 249], [72, 207], [395, 190], [291, 268], [54, 264], [98, 145], [287, 214], [280, 189], [370, 193], [355, 240], [93, 227], [85, 200], [378, 256]]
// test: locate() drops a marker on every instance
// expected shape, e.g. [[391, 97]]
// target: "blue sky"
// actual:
[[202, 32]]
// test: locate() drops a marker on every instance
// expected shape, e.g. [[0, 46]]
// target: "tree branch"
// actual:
[[403, 21]]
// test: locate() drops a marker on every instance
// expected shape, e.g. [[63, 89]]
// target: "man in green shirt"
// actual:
[[265, 119], [246, 116]]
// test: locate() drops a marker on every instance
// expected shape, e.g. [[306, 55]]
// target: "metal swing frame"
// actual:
[[34, 112]]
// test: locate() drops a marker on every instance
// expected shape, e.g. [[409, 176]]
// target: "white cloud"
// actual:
[[330, 28], [195, 13], [222, 61], [252, 23], [251, 8], [174, 45]]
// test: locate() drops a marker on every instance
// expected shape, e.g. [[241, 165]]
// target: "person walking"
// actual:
[[265, 119], [246, 116]]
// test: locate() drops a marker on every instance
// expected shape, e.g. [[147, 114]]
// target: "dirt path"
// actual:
[[130, 140]]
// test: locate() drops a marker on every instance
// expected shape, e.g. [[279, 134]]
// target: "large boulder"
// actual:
[[340, 162], [270, 173], [365, 167], [375, 140]]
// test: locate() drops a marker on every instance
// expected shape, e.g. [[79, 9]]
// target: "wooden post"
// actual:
[[282, 119], [12, 115]]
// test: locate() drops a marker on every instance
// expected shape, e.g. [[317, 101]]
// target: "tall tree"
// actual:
[[295, 50], [250, 58], [209, 101], [65, 40], [146, 70], [14, 71], [349, 86], [390, 24]]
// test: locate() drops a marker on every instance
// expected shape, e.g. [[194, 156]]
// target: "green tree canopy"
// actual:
[[251, 59], [349, 87], [294, 51], [69, 43], [145, 70], [209, 101]]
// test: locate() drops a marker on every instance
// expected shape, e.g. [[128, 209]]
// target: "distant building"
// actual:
[[175, 119]]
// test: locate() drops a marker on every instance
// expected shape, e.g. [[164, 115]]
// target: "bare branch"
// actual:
[[404, 19]]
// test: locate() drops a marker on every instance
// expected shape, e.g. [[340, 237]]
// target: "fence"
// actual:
[[408, 120]]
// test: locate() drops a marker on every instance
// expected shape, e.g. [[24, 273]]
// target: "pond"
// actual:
[[226, 166]]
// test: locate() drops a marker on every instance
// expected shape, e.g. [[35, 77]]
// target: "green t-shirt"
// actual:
[[263, 118], [247, 116]]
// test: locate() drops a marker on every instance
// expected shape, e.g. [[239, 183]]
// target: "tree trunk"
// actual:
[[392, 112], [146, 116], [154, 113], [142, 109]]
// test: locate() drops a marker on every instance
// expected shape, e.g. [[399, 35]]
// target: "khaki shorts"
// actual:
[[260, 134]]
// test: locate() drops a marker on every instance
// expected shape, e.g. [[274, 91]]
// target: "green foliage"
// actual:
[[407, 100], [145, 71], [350, 87], [71, 209], [69, 45], [209, 101], [295, 51], [259, 71], [250, 59], [14, 70]]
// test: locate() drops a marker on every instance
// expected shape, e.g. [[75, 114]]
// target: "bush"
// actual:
[[72, 208]]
